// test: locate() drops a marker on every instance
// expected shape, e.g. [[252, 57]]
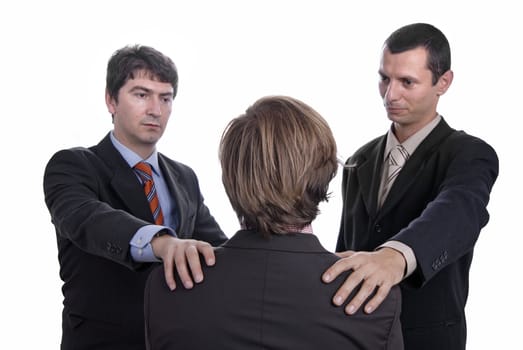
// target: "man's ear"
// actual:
[[110, 102], [444, 82]]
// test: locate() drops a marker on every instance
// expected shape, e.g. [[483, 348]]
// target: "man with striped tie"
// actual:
[[120, 208], [415, 199]]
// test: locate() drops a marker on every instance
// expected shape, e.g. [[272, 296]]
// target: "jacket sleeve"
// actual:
[[450, 224], [78, 202]]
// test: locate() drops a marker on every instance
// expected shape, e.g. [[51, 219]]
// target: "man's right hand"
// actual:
[[184, 254]]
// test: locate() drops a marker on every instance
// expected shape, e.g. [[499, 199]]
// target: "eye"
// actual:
[[383, 78], [141, 94], [407, 82]]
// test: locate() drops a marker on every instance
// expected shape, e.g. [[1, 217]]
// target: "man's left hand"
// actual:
[[381, 269]]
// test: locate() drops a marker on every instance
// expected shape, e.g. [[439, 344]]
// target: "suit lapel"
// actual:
[[370, 184], [172, 179], [123, 180]]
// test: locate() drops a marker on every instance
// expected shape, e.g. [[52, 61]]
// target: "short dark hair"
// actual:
[[277, 161], [126, 62], [423, 35]]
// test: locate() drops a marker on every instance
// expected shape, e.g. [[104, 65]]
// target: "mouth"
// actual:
[[394, 110], [151, 125]]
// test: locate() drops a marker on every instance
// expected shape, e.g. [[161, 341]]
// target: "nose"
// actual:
[[391, 92], [154, 107]]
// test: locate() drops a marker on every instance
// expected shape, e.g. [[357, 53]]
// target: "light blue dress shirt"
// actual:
[[141, 248]]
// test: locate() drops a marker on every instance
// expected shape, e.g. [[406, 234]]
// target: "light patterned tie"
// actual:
[[397, 158], [144, 171]]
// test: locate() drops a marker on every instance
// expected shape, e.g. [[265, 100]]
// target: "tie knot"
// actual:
[[144, 171], [398, 156]]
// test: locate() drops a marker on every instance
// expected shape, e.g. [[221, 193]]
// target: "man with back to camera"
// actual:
[[120, 207], [414, 199], [265, 292]]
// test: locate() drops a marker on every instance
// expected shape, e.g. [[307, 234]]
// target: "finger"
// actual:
[[367, 288], [193, 258], [335, 269], [353, 281], [375, 302], [169, 273], [181, 267], [208, 253]]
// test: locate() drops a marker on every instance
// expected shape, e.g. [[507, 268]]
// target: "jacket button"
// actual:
[[377, 228]]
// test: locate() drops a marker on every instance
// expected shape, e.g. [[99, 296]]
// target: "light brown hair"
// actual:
[[277, 161]]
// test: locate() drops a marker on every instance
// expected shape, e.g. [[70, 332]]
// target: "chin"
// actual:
[[398, 116]]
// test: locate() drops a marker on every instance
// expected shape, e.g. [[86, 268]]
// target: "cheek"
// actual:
[[427, 100], [382, 89], [166, 111]]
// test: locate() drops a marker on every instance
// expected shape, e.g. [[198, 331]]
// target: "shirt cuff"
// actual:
[[141, 248], [408, 254]]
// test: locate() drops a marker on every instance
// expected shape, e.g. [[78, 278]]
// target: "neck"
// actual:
[[404, 131], [305, 229]]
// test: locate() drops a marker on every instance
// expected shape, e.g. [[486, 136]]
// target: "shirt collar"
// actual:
[[291, 228], [290, 242], [413, 141], [132, 158]]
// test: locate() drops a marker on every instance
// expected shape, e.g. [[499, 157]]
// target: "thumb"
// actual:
[[345, 254]]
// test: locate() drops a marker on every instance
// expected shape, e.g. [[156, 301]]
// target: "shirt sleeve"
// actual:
[[141, 248]]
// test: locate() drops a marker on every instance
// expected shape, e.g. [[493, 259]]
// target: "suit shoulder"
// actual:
[[368, 147], [72, 155], [460, 141], [156, 274], [179, 167], [364, 151]]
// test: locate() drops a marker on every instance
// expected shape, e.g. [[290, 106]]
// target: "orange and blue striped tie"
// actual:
[[144, 171]]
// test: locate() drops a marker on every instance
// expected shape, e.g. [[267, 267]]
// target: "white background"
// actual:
[[230, 53]]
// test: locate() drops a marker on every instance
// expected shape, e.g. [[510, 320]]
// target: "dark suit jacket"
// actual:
[[437, 206], [97, 204], [265, 294]]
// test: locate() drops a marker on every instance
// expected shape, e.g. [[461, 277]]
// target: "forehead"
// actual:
[[146, 79], [404, 63]]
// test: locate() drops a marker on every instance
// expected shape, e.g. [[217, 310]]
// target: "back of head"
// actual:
[[277, 161], [128, 61], [427, 36]]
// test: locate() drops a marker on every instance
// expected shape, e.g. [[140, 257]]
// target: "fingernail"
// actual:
[[337, 300], [351, 309], [198, 278], [188, 284], [368, 309], [172, 287], [327, 278], [210, 262]]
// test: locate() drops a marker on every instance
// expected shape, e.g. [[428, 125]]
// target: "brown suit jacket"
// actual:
[[265, 294]]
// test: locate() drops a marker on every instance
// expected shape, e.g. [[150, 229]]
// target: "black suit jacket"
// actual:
[[97, 204], [437, 206], [265, 294]]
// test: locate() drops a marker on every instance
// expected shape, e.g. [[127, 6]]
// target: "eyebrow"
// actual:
[[142, 88], [403, 77]]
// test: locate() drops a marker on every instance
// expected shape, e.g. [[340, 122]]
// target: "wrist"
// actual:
[[398, 260]]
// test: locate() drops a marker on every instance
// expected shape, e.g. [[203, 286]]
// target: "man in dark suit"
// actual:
[[414, 200], [115, 222], [266, 291]]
